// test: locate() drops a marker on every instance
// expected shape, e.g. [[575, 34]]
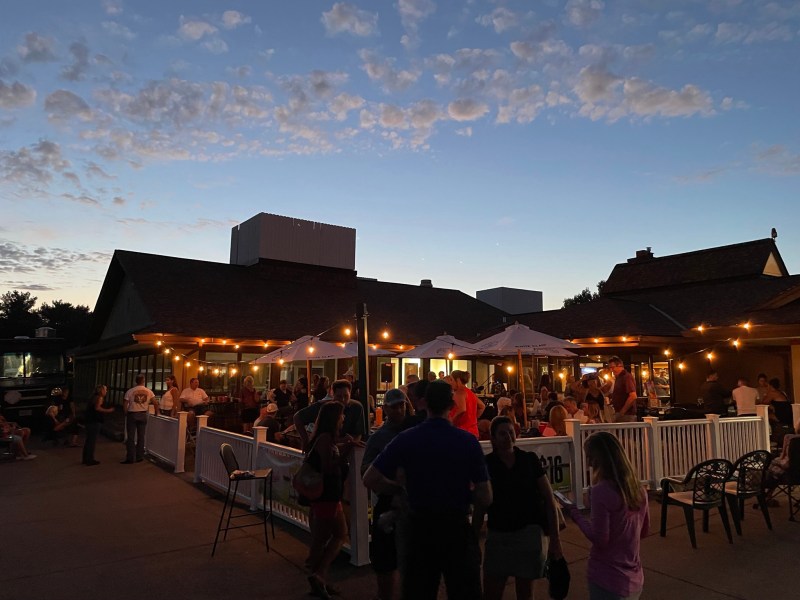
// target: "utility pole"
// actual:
[[363, 363]]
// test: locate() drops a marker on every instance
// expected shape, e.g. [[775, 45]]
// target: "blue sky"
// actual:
[[477, 144]]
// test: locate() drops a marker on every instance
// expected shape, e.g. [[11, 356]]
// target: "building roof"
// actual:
[[748, 260], [281, 301]]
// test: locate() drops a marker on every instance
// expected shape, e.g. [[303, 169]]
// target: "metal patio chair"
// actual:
[[748, 476]]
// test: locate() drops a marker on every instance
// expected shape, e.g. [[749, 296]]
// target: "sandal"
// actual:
[[318, 587]]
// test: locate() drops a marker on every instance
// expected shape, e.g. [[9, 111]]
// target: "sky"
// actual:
[[477, 144]]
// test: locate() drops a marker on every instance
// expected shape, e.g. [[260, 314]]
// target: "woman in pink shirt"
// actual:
[[619, 520]]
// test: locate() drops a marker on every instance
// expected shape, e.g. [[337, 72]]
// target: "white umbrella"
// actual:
[[305, 348], [521, 338], [352, 350], [443, 347]]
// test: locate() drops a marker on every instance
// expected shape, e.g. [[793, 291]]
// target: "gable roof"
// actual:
[[279, 300], [747, 260]]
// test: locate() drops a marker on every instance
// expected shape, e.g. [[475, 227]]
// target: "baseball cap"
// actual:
[[394, 396], [272, 408]]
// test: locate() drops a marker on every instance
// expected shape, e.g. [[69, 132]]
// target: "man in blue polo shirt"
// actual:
[[443, 471]]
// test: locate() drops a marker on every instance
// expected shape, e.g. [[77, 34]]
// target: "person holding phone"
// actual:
[[522, 531], [619, 520]]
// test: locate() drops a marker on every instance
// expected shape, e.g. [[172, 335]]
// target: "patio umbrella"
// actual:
[[520, 339], [305, 348], [352, 349], [442, 346]]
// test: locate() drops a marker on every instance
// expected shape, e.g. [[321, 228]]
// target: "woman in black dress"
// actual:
[[93, 420]]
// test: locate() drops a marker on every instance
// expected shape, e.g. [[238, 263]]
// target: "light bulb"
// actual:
[[347, 331], [667, 352], [736, 343], [216, 371], [681, 366], [255, 368], [746, 325], [280, 361], [158, 343], [385, 335], [237, 346], [596, 341], [509, 369], [177, 358], [188, 364], [201, 368], [233, 371], [700, 328], [710, 355], [166, 350], [311, 349], [450, 355]]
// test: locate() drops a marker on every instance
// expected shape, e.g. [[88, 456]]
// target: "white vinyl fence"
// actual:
[[165, 439]]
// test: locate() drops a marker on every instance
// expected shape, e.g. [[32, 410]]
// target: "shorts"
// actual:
[[326, 509], [520, 553], [383, 547]]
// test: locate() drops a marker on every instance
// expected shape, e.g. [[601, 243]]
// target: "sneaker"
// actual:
[[28, 457]]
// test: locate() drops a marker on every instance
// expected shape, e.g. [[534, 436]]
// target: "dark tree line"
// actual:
[[19, 316], [585, 296]]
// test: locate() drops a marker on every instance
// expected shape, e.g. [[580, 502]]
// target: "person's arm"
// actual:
[[546, 492], [460, 400], [322, 446], [478, 515], [72, 411], [482, 494], [379, 483], [645, 522], [596, 530], [481, 408], [632, 397]]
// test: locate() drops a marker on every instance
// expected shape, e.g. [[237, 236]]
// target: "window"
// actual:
[[32, 364]]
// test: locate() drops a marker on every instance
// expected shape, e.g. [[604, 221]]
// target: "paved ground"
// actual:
[[135, 531]]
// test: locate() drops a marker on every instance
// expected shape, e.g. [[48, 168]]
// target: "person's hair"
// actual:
[[98, 389], [615, 360], [328, 419], [775, 382], [518, 400], [282, 381], [323, 384], [461, 376], [497, 422], [248, 379], [339, 384], [545, 381], [552, 397], [171, 377], [558, 414], [571, 400], [712, 372], [194, 379], [761, 376], [439, 397], [604, 453], [592, 410], [508, 412], [744, 380], [139, 380]]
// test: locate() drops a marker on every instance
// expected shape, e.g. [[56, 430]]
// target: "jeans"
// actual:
[[92, 430], [441, 545], [135, 425]]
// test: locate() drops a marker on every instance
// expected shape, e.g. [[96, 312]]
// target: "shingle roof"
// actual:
[[278, 300], [724, 263]]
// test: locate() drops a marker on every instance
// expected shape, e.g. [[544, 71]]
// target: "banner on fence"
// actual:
[[556, 464]]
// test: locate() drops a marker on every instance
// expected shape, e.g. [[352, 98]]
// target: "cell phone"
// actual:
[[561, 497]]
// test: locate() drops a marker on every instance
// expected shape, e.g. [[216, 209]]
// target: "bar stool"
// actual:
[[235, 475]]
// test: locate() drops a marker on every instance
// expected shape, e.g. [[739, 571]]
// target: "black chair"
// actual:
[[235, 476], [748, 477], [789, 484], [703, 489]]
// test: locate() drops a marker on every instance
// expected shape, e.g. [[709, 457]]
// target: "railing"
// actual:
[[683, 444], [165, 439], [634, 440], [256, 453]]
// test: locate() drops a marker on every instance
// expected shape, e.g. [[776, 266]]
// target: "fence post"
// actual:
[[714, 440], [359, 512], [574, 432], [180, 453], [202, 421], [259, 436], [762, 410], [654, 450], [795, 413]]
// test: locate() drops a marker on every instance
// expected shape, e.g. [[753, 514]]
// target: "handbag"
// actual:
[[557, 573], [308, 481]]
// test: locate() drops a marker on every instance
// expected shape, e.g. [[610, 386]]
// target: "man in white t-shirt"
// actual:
[[745, 398], [135, 406], [195, 399]]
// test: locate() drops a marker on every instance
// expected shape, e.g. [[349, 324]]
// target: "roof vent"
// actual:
[[45, 332], [642, 255], [426, 283]]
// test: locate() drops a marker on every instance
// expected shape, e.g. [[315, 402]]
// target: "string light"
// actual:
[[177, 358], [700, 328], [166, 350], [710, 355], [188, 364], [681, 366], [311, 349], [667, 352], [509, 368], [450, 356], [347, 331], [201, 368], [266, 345], [202, 340], [374, 346], [255, 368], [236, 347], [233, 371], [402, 347], [747, 325], [281, 361], [158, 343], [385, 335], [624, 338], [736, 343], [596, 341], [216, 371], [224, 342], [561, 375]]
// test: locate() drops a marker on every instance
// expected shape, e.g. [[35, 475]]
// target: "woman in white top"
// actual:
[[168, 405]]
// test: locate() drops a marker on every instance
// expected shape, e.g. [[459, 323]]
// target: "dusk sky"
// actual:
[[477, 143]]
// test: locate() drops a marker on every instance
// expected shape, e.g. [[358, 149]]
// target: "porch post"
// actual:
[[180, 452], [359, 515], [259, 436], [762, 410], [654, 451], [574, 432], [714, 441], [202, 421]]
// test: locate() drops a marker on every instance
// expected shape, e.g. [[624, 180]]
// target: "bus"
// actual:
[[33, 370]]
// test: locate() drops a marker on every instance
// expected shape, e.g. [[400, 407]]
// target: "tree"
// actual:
[[70, 322], [585, 296], [17, 316]]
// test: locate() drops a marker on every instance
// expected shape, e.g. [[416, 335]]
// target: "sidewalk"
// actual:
[[132, 531]]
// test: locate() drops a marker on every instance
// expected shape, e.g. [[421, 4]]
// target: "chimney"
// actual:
[[426, 283], [642, 256]]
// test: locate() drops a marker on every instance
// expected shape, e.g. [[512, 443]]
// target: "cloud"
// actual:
[[346, 18], [501, 19], [95, 170], [112, 7], [778, 160], [16, 95], [522, 105], [705, 176], [215, 45], [466, 110], [118, 30], [32, 165], [119, 201], [242, 72], [27, 285], [81, 199], [383, 71], [36, 48], [22, 258], [583, 13], [80, 62], [63, 105], [231, 19], [344, 103], [194, 29], [8, 67], [412, 13]]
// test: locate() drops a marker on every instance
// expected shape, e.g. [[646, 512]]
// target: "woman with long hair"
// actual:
[[329, 528], [93, 421], [556, 424], [619, 520], [522, 530], [250, 408], [170, 402]]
